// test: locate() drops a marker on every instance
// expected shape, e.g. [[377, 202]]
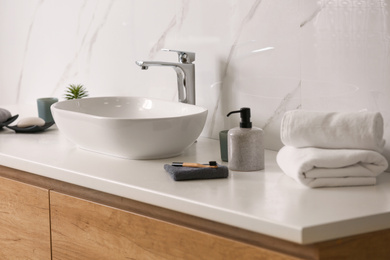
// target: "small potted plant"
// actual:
[[76, 92]]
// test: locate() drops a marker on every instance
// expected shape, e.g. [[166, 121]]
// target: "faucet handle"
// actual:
[[184, 56]]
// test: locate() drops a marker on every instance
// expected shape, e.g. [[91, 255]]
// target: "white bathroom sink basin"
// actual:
[[130, 127]]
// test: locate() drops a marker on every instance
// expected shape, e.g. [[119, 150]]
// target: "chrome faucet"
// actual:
[[185, 71]]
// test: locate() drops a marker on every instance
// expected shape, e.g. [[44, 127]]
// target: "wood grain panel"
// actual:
[[86, 230], [373, 245], [24, 221]]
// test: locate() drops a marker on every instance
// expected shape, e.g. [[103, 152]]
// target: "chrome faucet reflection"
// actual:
[[185, 71]]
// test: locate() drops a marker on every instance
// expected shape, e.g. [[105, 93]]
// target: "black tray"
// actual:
[[31, 129], [8, 121]]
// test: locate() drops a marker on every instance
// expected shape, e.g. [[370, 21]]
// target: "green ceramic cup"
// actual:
[[223, 145], [44, 105]]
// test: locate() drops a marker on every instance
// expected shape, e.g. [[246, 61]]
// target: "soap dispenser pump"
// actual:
[[245, 144]]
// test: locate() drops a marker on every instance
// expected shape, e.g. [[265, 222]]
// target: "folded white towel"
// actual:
[[316, 167], [337, 130]]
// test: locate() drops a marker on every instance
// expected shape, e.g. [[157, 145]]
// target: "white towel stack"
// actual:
[[332, 149]]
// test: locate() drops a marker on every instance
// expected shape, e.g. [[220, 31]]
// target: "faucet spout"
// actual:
[[185, 72], [141, 64]]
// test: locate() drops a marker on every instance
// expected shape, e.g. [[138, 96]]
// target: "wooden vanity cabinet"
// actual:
[[24, 221], [83, 229]]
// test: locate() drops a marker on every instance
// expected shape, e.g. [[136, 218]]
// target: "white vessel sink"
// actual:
[[130, 127]]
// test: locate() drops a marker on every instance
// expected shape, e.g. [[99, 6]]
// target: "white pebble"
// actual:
[[4, 115], [30, 121]]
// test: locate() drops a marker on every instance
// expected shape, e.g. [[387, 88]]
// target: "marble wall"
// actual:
[[270, 55]]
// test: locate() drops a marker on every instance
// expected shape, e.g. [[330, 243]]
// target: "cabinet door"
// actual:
[[24, 221], [86, 230]]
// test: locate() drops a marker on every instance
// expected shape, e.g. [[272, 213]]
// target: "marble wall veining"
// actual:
[[270, 55]]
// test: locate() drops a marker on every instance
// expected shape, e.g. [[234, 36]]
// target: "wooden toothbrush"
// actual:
[[212, 164]]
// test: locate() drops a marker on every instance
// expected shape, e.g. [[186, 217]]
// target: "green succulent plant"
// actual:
[[75, 92]]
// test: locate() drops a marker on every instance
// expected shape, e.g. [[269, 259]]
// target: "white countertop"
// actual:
[[267, 202]]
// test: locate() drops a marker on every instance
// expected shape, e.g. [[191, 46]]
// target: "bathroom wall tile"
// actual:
[[343, 53], [263, 71], [15, 31]]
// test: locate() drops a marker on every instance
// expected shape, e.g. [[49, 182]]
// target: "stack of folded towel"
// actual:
[[325, 149]]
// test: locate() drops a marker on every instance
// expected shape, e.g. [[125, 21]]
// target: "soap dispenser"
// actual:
[[245, 144]]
